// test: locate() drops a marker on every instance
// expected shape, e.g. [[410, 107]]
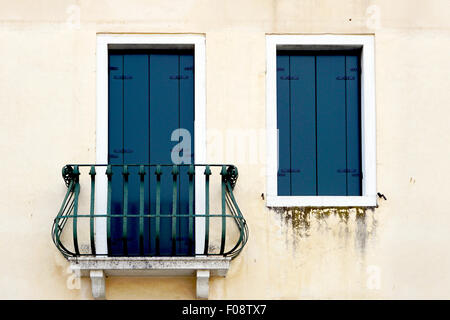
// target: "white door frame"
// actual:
[[168, 41]]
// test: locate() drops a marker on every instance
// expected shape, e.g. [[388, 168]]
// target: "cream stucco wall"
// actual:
[[48, 116]]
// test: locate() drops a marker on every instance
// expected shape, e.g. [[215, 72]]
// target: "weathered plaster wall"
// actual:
[[48, 113]]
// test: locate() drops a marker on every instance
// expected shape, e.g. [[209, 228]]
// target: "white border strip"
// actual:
[[103, 40], [368, 118]]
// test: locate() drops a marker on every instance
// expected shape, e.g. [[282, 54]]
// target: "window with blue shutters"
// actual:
[[319, 123]]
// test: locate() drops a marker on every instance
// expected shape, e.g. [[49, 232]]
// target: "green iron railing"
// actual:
[[69, 211]]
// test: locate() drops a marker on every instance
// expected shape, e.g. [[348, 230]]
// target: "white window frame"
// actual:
[[368, 118], [166, 41]]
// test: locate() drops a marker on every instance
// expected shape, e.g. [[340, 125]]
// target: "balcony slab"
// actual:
[[97, 268]]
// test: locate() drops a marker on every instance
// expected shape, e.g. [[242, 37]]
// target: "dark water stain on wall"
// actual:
[[365, 231], [300, 219]]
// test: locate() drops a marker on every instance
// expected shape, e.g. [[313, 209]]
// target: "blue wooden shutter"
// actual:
[[164, 109], [283, 125], [303, 125], [186, 121], [353, 127], [331, 117], [115, 146], [135, 137], [318, 117]]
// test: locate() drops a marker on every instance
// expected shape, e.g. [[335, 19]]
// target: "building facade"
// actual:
[[258, 149]]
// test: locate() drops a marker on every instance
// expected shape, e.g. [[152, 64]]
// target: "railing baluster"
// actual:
[[60, 220], [109, 173], [158, 174], [191, 173], [207, 174], [92, 231], [125, 174], [223, 173], [141, 210], [238, 217], [76, 175], [174, 208]]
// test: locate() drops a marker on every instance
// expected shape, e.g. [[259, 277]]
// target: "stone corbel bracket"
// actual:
[[97, 268]]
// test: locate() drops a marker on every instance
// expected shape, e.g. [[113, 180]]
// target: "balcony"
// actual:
[[149, 220]]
